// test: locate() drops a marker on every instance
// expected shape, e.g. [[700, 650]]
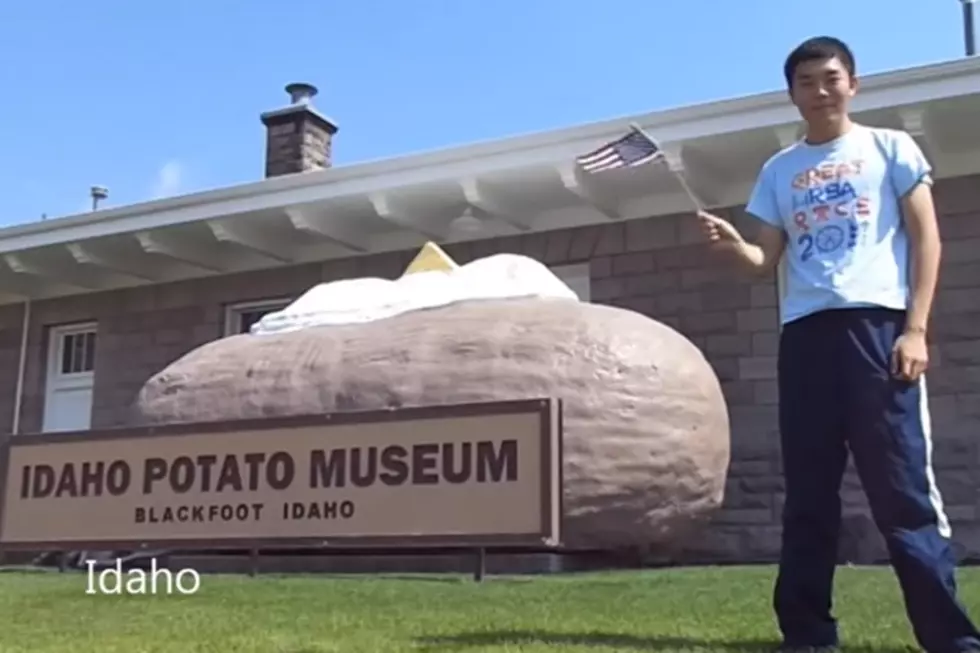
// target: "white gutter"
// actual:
[[894, 88], [21, 368]]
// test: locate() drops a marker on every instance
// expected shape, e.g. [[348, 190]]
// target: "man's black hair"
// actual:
[[819, 48]]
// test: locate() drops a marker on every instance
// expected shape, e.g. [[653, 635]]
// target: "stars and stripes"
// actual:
[[634, 149]]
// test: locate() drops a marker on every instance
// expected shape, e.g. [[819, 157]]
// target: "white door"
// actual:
[[70, 378]]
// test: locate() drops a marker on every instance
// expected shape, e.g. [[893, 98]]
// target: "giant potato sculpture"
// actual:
[[646, 433]]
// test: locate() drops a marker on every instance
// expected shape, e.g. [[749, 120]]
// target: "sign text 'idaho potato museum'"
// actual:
[[471, 474]]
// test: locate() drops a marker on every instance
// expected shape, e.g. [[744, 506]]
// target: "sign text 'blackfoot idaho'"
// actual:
[[448, 473]]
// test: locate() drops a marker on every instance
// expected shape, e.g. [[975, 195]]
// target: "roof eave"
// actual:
[[768, 109]]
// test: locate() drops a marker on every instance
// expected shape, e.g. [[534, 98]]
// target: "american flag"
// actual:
[[634, 149]]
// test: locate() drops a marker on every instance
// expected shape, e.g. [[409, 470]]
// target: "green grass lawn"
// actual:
[[708, 609]]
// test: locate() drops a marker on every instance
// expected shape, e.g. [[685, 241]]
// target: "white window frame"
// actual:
[[578, 277], [56, 348], [233, 312]]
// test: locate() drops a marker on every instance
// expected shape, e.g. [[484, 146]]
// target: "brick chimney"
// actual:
[[298, 137]]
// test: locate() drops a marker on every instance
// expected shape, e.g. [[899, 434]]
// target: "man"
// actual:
[[851, 208]]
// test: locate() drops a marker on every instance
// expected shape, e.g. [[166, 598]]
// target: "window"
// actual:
[[239, 318], [72, 350], [577, 278], [77, 352]]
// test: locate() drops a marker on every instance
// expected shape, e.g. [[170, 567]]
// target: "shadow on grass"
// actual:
[[463, 641], [449, 579], [421, 578]]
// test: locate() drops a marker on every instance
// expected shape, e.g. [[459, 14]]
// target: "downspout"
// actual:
[[21, 368]]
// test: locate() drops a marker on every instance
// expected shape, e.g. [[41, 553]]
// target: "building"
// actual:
[[93, 304]]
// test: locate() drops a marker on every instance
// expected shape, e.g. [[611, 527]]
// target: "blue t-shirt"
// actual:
[[840, 206]]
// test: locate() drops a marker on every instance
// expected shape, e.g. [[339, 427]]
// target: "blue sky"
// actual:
[[162, 98]]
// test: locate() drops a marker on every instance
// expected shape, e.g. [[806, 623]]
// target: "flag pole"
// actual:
[[680, 177]]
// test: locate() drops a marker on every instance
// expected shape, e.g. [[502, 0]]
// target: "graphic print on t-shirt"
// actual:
[[831, 210]]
